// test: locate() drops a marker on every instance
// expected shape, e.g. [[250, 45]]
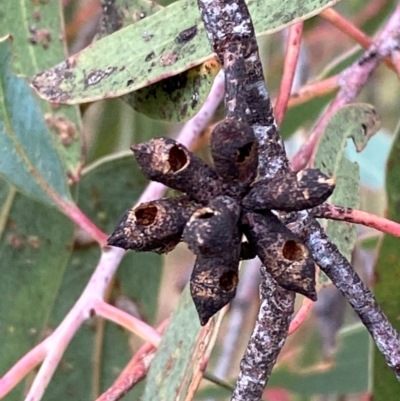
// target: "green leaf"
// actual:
[[121, 13], [173, 99], [35, 244], [177, 98], [28, 157], [106, 190], [165, 44], [358, 122], [386, 283], [349, 372], [38, 37], [176, 369]]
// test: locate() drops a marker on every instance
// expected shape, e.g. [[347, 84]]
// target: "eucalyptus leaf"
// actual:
[[35, 244], [37, 29], [386, 283], [348, 373], [358, 122], [173, 99], [28, 157], [142, 53], [175, 371]]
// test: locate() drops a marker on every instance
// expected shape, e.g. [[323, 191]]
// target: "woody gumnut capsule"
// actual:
[[212, 234], [169, 162]]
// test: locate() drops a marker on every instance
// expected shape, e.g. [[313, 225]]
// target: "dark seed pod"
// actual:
[[212, 229], [212, 234], [213, 283], [290, 192], [153, 226], [285, 257], [234, 149], [167, 161]]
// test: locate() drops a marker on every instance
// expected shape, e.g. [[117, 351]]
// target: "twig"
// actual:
[[350, 30], [351, 81], [135, 371], [230, 32], [314, 89], [76, 215], [58, 341], [342, 274], [264, 345], [350, 215], [301, 315], [127, 321], [289, 69]]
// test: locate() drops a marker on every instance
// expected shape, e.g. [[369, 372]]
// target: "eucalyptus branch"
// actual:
[[289, 69], [342, 274], [313, 90], [55, 345], [266, 340], [350, 215], [136, 369], [350, 30], [352, 80]]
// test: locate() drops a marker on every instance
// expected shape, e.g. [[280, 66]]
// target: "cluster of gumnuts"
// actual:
[[227, 214]]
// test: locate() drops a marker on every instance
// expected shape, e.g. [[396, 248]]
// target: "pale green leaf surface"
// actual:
[[28, 158], [179, 354], [358, 122], [121, 13], [35, 245], [107, 189], [173, 99], [386, 282], [153, 49], [37, 31], [177, 98], [348, 374]]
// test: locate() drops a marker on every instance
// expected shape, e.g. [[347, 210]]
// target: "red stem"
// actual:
[[350, 30], [75, 214], [135, 371], [314, 89], [128, 321], [28, 362], [358, 217], [289, 69], [301, 315]]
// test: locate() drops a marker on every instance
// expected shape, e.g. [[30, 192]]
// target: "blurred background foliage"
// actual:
[[330, 358]]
